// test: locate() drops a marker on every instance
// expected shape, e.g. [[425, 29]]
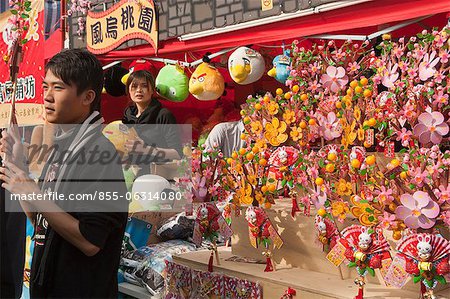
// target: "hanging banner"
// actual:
[[29, 99], [124, 21]]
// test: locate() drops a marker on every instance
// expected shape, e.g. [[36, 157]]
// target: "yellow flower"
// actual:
[[243, 194], [339, 209], [272, 107], [238, 168], [260, 198], [256, 127], [296, 133], [275, 132], [251, 179], [343, 187], [360, 211], [357, 113], [289, 116], [361, 134], [349, 135], [261, 144]]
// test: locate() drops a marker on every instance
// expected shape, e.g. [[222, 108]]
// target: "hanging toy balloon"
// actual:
[[280, 70], [139, 65], [113, 77], [172, 83], [206, 83], [246, 66]]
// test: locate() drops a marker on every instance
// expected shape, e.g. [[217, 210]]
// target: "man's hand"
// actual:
[[137, 146], [12, 149], [16, 181]]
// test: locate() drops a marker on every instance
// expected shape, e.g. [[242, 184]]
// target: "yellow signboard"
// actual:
[[28, 114], [127, 19]]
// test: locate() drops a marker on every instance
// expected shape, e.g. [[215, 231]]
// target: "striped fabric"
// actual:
[[52, 15]]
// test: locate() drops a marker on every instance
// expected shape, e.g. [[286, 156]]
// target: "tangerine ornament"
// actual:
[[242, 112], [349, 92], [263, 162], [295, 88], [356, 164], [372, 122], [247, 120], [266, 99], [304, 97], [395, 162], [329, 168], [234, 155], [255, 149], [272, 188], [364, 81], [258, 106], [319, 181], [397, 235], [332, 157], [250, 156], [279, 91], [367, 93], [370, 160], [287, 95], [312, 122], [354, 84], [366, 144], [338, 104], [243, 136], [229, 160], [403, 175], [303, 124], [358, 89], [264, 189], [267, 205], [242, 151], [321, 212]]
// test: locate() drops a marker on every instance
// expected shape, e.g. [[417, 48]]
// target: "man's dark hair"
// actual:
[[142, 75], [80, 68]]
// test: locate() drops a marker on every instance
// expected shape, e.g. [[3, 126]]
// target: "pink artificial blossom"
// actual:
[[427, 66], [353, 67], [440, 98], [386, 220], [418, 177], [444, 56], [418, 210], [431, 127], [385, 195], [335, 78], [443, 194], [446, 217], [405, 136], [331, 127], [390, 75], [313, 86]]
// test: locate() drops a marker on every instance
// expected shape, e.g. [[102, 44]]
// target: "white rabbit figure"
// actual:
[[250, 215], [364, 239], [204, 213], [424, 247], [321, 226]]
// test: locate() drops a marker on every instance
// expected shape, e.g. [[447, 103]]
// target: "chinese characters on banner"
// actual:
[[124, 21]]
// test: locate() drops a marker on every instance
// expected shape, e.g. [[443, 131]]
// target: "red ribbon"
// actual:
[[269, 267], [295, 208], [210, 263], [289, 293]]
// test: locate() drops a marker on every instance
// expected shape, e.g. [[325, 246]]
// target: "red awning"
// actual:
[[363, 15]]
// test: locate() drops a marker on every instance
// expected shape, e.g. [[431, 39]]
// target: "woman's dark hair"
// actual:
[[142, 75], [79, 68]]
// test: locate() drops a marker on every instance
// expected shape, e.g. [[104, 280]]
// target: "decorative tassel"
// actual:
[[269, 267], [360, 283], [211, 261], [423, 290], [295, 208], [360, 293], [289, 293]]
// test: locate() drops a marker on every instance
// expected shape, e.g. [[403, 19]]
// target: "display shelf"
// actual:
[[308, 284]]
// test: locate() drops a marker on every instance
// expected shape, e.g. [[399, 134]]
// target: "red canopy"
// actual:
[[363, 15]]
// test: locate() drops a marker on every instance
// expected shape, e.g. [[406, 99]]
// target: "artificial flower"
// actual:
[[272, 107], [334, 79], [431, 127], [330, 126], [384, 196], [343, 187], [275, 132], [256, 127], [418, 210], [289, 116], [390, 75], [340, 209], [296, 133], [427, 66]]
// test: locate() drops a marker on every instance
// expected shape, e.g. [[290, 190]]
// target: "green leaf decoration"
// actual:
[[371, 271]]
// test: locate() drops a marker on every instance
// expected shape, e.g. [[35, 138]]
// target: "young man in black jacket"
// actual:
[[78, 237]]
